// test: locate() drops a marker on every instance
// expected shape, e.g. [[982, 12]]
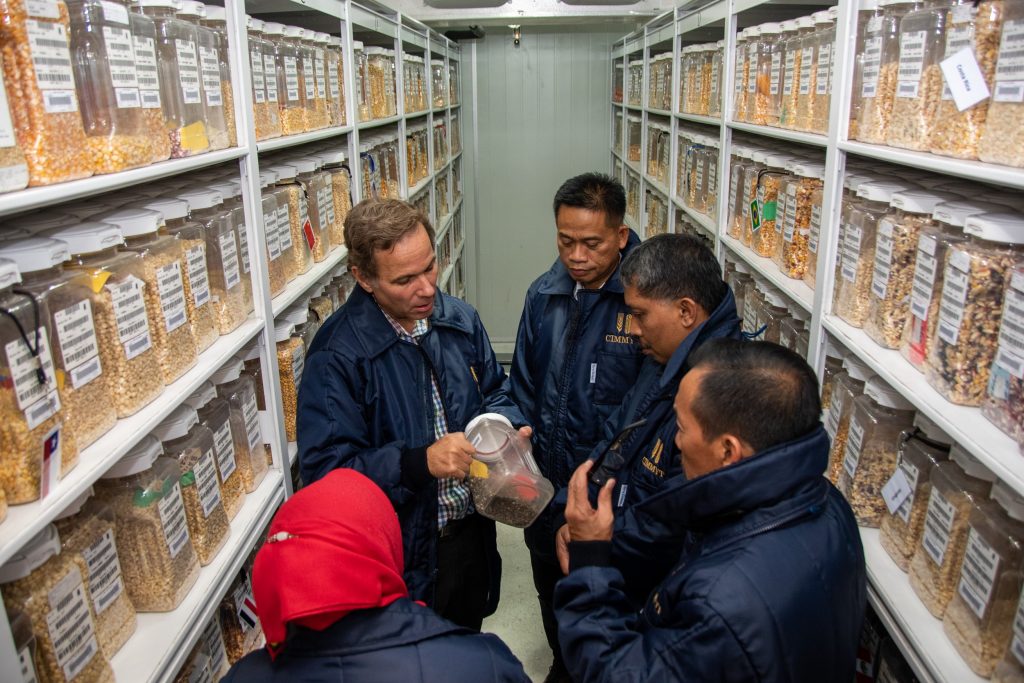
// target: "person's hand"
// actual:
[[526, 432], [562, 548], [586, 523], [450, 456]]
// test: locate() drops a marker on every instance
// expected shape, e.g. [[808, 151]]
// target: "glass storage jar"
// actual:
[[293, 212], [919, 80], [191, 12], [239, 391], [144, 492], [958, 486], [920, 449], [976, 274], [86, 529], [796, 71], [290, 94], [336, 81], [362, 82], [164, 291], [878, 419], [880, 75], [84, 389], [1001, 141], [156, 117], [1004, 400], [214, 435], [50, 587], [868, 17], [215, 19], [263, 79], [191, 444], [766, 99], [848, 385], [125, 341]]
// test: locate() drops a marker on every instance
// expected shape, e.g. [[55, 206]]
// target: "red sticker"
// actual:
[[307, 230]]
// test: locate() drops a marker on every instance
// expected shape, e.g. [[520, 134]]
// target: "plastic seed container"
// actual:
[[770, 312], [741, 75], [764, 104], [275, 264], [919, 81], [240, 637], [206, 42], [156, 117], [847, 386], [314, 225], [753, 299], [212, 641], [231, 191], [748, 195], [250, 355], [24, 643], [800, 191], [1001, 140], [293, 212], [833, 366], [824, 66], [13, 167], [362, 81], [336, 82], [215, 19], [214, 421], [1004, 402], [239, 392], [263, 80], [808, 77], [799, 49], [290, 94], [291, 358], [762, 227]]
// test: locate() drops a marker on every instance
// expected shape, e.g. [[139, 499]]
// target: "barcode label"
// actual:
[[146, 68], [198, 277], [321, 75], [26, 666], [211, 70], [105, 583], [121, 64], [172, 295], [911, 473], [70, 626], [188, 71], [787, 82], [259, 87], [332, 79], [291, 79], [1011, 329], [851, 253], [872, 64], [23, 365], [229, 260], [815, 232], [206, 484], [978, 573], [924, 280], [854, 444], [806, 68], [821, 87], [243, 247], [44, 9], [951, 308], [911, 66], [938, 525], [51, 60], [76, 336], [1010, 65], [307, 77], [776, 73], [271, 232], [214, 642], [284, 227], [224, 449], [252, 421], [270, 70], [172, 518], [883, 261], [298, 363]]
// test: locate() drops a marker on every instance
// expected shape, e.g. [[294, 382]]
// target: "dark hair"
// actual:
[[759, 391], [671, 267], [594, 192], [376, 225]]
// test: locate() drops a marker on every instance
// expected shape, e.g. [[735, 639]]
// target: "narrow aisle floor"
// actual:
[[517, 620]]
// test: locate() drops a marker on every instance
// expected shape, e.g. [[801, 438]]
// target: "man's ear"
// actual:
[[689, 312], [361, 278], [623, 236], [731, 450]]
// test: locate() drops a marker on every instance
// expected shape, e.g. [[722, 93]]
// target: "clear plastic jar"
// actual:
[[376, 68], [239, 391], [958, 486], [783, 63], [439, 83], [1011, 668], [748, 111], [771, 310], [290, 93], [240, 637], [215, 19], [740, 159], [84, 389], [266, 117], [321, 113], [856, 269], [362, 82], [753, 299], [824, 61], [13, 167], [833, 366], [291, 356], [799, 190], [658, 151], [749, 194], [686, 78], [180, 79], [51, 588], [715, 78], [919, 82], [86, 529], [231, 270], [292, 213], [336, 82], [796, 71], [807, 97], [40, 80], [741, 75], [312, 185], [867, 10], [976, 274], [848, 385], [1002, 141], [660, 73], [144, 492], [24, 643], [895, 252], [192, 237], [920, 450], [878, 419], [213, 435], [161, 273], [212, 641], [123, 327], [155, 116], [454, 86], [765, 234], [738, 280], [978, 27], [1004, 401], [206, 42], [277, 277], [979, 619], [762, 103], [790, 329]]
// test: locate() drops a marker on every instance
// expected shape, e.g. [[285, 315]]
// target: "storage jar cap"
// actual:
[[138, 459], [809, 169], [170, 208], [9, 275], [773, 297], [374, 50], [1007, 228], [321, 37], [42, 221], [805, 22], [190, 8], [867, 5], [497, 417], [43, 546], [880, 191], [833, 350], [822, 17], [856, 369], [833, 13], [777, 160], [303, 164], [917, 201], [230, 371], [178, 423], [357, 45], [883, 394], [335, 41], [971, 465], [156, 3], [294, 32], [284, 172], [272, 28], [955, 212], [32, 254], [201, 396], [931, 430], [297, 315], [771, 28], [214, 13], [720, 44], [283, 330], [224, 188], [1009, 499], [789, 25], [332, 157], [741, 267], [135, 222], [799, 313], [250, 352], [254, 24], [88, 237], [75, 506], [267, 178], [202, 199]]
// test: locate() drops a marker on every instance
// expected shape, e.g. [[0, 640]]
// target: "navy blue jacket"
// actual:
[[365, 403], [400, 643], [573, 362], [770, 585]]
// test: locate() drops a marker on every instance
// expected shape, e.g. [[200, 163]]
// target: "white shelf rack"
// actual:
[[796, 290], [378, 123], [697, 118], [958, 168], [286, 141], [813, 139], [704, 222], [302, 284]]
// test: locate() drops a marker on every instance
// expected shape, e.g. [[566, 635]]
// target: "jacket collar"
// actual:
[[558, 281], [723, 322], [374, 332], [767, 489]]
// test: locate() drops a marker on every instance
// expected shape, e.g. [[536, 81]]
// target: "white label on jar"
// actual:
[[911, 66], [978, 573], [1009, 85], [229, 260], [851, 253], [259, 87], [105, 583], [23, 365], [121, 64], [172, 295], [752, 73], [270, 71], [734, 184], [198, 278], [806, 67], [1018, 630], [834, 409], [114, 13], [821, 87], [70, 626], [957, 38], [76, 336], [854, 445], [951, 308], [749, 314], [307, 76], [130, 312], [51, 60], [1011, 335], [271, 232], [211, 76], [298, 363], [243, 247], [146, 71], [321, 75], [188, 71], [332, 79], [224, 448], [291, 78], [883, 259], [284, 227], [252, 421], [938, 525], [874, 24], [7, 138], [738, 76], [200, 670], [206, 483], [872, 66], [925, 269], [788, 211], [44, 9], [214, 642], [911, 473], [776, 76], [787, 82], [28, 670], [815, 233], [172, 518]]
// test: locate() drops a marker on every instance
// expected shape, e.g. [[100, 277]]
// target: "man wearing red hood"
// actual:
[[334, 607]]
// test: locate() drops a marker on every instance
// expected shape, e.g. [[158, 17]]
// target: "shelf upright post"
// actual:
[[10, 666], [351, 103], [673, 125], [727, 91]]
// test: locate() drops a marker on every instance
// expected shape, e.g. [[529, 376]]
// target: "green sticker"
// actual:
[[769, 211], [755, 217]]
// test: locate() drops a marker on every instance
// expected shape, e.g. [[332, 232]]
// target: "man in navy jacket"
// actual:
[[770, 585], [390, 382], [575, 354]]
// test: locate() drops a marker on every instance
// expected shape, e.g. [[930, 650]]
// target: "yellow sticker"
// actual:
[[478, 470], [193, 137], [98, 278], [60, 379]]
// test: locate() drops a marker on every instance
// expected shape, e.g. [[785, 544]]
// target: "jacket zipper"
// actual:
[[559, 452]]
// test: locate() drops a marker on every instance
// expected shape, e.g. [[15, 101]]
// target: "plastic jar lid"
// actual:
[[9, 275], [43, 546], [1009, 500], [955, 212], [214, 13], [267, 178], [833, 350], [285, 172], [374, 50], [753, 32], [202, 199], [771, 28], [222, 187], [809, 169], [1007, 228], [357, 45], [497, 417], [138, 459], [971, 465], [88, 237], [75, 506], [881, 393], [880, 191], [249, 352], [917, 201], [320, 37], [856, 369], [297, 315], [230, 371], [294, 32], [303, 164], [177, 423], [156, 3], [805, 22], [800, 314], [789, 25], [41, 221], [135, 222], [741, 267], [822, 17], [335, 41], [32, 254], [931, 430], [867, 5], [201, 396], [833, 13], [190, 8], [272, 28], [170, 208], [332, 157], [283, 330], [776, 299], [253, 24]]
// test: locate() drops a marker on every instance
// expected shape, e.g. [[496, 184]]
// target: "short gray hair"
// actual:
[[672, 267]]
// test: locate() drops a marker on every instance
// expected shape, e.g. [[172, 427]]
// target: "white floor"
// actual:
[[517, 620]]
